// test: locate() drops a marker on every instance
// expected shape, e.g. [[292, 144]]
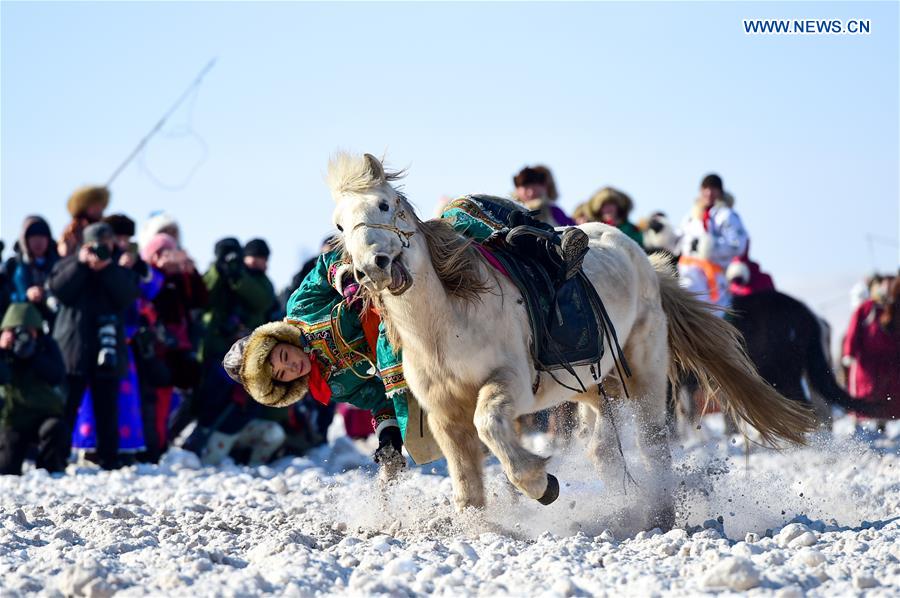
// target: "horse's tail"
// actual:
[[712, 350]]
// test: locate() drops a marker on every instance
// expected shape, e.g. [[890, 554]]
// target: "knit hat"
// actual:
[[98, 232], [227, 245], [37, 227], [22, 314], [87, 196], [257, 248], [255, 371], [157, 243], [121, 224]]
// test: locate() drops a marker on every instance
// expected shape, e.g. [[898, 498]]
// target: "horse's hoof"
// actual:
[[552, 491]]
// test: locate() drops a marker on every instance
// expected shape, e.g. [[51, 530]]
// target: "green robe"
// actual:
[[355, 375]]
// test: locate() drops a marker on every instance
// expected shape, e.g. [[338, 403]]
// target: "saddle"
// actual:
[[567, 321]]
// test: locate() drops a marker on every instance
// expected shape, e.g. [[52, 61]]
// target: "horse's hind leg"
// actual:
[[602, 434], [459, 442], [494, 418], [648, 355]]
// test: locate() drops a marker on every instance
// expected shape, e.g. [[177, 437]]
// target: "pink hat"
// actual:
[[157, 243]]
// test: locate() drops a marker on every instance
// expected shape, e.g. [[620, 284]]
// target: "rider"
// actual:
[[712, 235], [333, 346]]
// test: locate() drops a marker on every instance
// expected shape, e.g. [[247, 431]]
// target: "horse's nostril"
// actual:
[[360, 275], [382, 261]]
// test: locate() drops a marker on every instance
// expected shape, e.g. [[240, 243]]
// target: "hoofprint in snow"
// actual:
[[818, 521]]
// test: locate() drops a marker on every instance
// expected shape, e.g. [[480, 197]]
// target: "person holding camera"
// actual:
[[183, 293], [31, 400], [240, 299], [94, 292]]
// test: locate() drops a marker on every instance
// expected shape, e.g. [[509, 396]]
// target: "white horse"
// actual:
[[466, 340]]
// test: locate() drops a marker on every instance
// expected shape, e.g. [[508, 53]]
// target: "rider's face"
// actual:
[[289, 362]]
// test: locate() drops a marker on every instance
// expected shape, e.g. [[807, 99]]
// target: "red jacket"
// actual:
[[875, 370]]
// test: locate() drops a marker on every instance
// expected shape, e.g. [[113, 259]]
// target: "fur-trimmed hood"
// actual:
[[247, 362], [620, 198]]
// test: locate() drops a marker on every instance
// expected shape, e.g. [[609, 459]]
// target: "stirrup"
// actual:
[[572, 248], [525, 230]]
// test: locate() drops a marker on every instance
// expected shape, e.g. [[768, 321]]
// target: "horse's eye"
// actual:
[[382, 205], [340, 228]]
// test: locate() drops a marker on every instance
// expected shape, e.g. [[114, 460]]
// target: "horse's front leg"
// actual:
[[495, 417], [459, 442]]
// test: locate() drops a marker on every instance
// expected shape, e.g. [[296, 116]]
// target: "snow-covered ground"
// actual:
[[823, 520]]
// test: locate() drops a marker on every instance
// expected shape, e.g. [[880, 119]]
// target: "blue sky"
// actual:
[[647, 97]]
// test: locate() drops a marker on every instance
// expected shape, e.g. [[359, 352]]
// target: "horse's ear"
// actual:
[[375, 168]]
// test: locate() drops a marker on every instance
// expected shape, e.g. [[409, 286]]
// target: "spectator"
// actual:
[[31, 372], [133, 387], [29, 269], [612, 207], [86, 207], [536, 190], [94, 292], [872, 351], [240, 298], [712, 235], [159, 222], [182, 293], [6, 288]]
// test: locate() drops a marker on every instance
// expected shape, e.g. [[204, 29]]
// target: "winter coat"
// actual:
[[710, 239], [86, 297], [32, 389], [874, 371], [235, 307], [346, 345], [25, 270], [180, 294]]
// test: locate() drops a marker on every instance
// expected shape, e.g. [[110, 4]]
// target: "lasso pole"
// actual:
[[143, 142]]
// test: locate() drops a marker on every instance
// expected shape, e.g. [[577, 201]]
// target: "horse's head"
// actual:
[[375, 220]]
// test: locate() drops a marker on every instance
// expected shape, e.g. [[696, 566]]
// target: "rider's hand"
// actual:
[[390, 447]]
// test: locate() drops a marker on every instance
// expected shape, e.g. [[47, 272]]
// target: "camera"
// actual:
[[101, 250], [108, 354], [24, 344]]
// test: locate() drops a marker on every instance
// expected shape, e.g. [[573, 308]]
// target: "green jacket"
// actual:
[[33, 393], [355, 375], [632, 231], [235, 308]]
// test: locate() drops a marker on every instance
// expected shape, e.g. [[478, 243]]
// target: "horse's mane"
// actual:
[[455, 260], [352, 173]]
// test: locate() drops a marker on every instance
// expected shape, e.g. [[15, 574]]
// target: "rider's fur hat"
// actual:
[[248, 363], [84, 197]]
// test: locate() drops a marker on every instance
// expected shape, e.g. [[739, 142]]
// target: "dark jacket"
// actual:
[[30, 387], [237, 305], [86, 298]]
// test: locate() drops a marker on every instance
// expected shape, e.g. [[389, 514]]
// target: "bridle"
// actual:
[[399, 214]]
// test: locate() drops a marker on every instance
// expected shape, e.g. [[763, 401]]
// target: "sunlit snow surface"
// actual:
[[822, 520]]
